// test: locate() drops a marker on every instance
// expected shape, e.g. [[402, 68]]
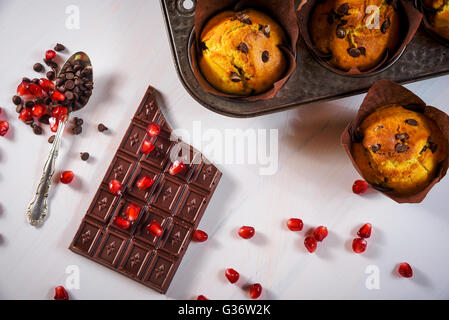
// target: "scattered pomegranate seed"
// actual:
[[25, 115], [144, 183], [365, 231], [147, 146], [115, 187], [201, 297], [57, 96], [67, 177], [176, 167], [35, 90], [58, 112], [359, 186], [50, 54], [246, 232], [200, 236], [320, 233], [4, 127], [61, 293], [232, 275], [153, 130], [359, 245], [310, 244], [295, 224], [22, 89], [38, 110], [46, 84], [122, 223], [155, 229], [132, 212], [405, 270], [255, 291], [54, 124]]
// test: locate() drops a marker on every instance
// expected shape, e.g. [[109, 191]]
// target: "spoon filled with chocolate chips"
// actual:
[[73, 88]]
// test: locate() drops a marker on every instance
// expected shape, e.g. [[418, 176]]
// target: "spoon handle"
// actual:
[[37, 209]]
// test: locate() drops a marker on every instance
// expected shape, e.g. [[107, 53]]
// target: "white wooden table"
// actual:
[[128, 45]]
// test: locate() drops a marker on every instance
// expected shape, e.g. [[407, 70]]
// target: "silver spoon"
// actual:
[[38, 207]]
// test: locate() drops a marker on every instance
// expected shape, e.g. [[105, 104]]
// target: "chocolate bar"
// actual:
[[176, 202]]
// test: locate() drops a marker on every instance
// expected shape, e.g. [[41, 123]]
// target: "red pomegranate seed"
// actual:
[[144, 183], [50, 54], [246, 232], [115, 187], [67, 177], [132, 212], [359, 186], [201, 297], [122, 223], [46, 84], [232, 275], [320, 233], [310, 244], [25, 115], [61, 293], [200, 236], [54, 124], [153, 130], [35, 90], [255, 291], [147, 146], [176, 167], [38, 110], [22, 89], [4, 127], [58, 112], [295, 224], [405, 270], [155, 229], [57, 96], [365, 231], [359, 245]]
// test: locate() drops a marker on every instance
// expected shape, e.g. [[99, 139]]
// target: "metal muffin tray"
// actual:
[[423, 58]]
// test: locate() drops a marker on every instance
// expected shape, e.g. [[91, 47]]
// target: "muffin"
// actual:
[[439, 16], [240, 52], [350, 37], [400, 150]]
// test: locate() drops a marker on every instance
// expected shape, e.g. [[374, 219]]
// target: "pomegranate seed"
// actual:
[[320, 233], [4, 127], [54, 124], [155, 229], [22, 89], [132, 212], [58, 112], [310, 244], [61, 293], [115, 187], [25, 115], [176, 167], [153, 129], [57, 96], [38, 110], [147, 146], [35, 90], [359, 186], [246, 232], [46, 84], [144, 183], [359, 245], [201, 297], [295, 224], [255, 291], [365, 231], [50, 54], [200, 236], [405, 270], [67, 177], [232, 275], [122, 223]]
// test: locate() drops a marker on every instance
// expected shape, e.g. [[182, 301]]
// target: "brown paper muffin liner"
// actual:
[[385, 92], [412, 15], [282, 11], [428, 25]]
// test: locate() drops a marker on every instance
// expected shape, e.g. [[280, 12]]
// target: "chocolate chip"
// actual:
[[244, 18], [432, 146], [25, 79], [84, 156], [235, 77], [342, 23], [399, 147], [341, 33], [411, 122], [331, 17], [51, 75], [78, 121], [29, 104], [402, 136], [69, 76], [265, 29], [423, 149], [19, 108], [385, 25], [35, 81], [243, 47], [77, 130], [265, 56], [51, 139], [38, 67], [16, 100], [37, 130], [69, 84], [202, 47], [362, 50], [375, 147], [45, 119], [59, 47], [102, 127], [69, 95], [343, 9], [354, 52]]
